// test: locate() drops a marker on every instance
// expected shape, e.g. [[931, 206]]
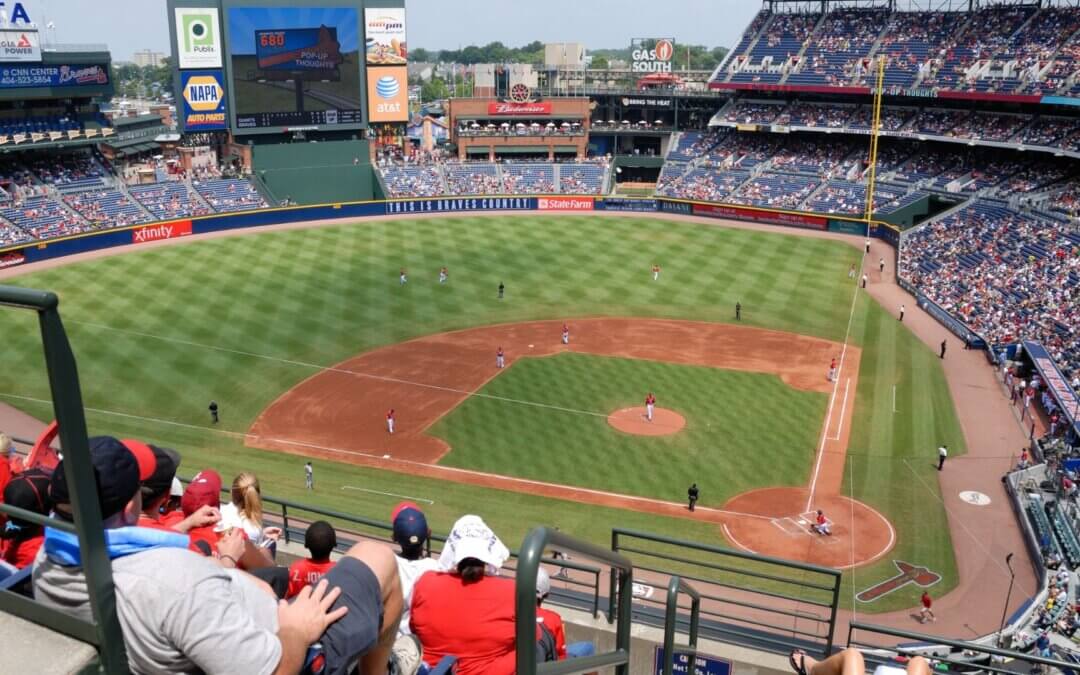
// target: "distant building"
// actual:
[[145, 57], [569, 55]]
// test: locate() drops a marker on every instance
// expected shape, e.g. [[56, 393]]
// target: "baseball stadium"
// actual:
[[771, 366]]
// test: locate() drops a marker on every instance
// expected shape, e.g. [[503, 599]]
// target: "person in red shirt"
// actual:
[[821, 524], [926, 612], [390, 420], [320, 539], [467, 612], [650, 406], [554, 623], [20, 540]]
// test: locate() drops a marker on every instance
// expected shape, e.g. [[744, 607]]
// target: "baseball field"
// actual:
[[305, 338]]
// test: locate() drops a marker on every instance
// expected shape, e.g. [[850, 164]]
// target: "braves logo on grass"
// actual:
[[909, 574]]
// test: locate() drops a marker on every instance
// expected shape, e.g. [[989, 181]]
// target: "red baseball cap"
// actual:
[[204, 490], [401, 507]]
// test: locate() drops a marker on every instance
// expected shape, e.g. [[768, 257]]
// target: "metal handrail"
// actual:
[[68, 411], [833, 588], [532, 547], [933, 640], [676, 586]]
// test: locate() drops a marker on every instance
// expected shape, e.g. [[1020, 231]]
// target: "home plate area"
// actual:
[[800, 525]]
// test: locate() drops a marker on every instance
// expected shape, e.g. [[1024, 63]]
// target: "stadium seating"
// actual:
[[537, 178], [775, 190], [43, 218], [474, 178], [170, 199], [107, 206], [836, 48], [782, 39], [230, 194], [413, 181], [582, 178]]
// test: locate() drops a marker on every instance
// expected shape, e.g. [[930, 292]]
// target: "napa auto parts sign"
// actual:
[[160, 232], [564, 204], [511, 108], [652, 55]]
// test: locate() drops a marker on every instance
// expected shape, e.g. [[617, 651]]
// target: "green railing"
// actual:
[[961, 656], [104, 633], [765, 602], [676, 586], [529, 558]]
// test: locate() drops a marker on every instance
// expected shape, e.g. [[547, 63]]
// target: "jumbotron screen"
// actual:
[[295, 66]]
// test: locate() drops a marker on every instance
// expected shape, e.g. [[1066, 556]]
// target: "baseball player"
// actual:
[[390, 420], [881, 266], [309, 477], [501, 290], [821, 524], [832, 370], [214, 411], [926, 612], [650, 404], [867, 247], [500, 358], [444, 274], [565, 334], [864, 281], [851, 271], [738, 311], [403, 278], [902, 310], [692, 495], [655, 272]]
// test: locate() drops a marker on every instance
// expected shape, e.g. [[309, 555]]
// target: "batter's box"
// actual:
[[790, 526]]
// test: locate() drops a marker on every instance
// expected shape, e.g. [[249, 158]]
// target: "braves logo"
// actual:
[[908, 574]]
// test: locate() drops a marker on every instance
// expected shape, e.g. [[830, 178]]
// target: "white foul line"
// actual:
[[388, 494], [894, 399], [843, 408], [832, 399]]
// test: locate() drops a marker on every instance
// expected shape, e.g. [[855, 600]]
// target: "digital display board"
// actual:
[[295, 66]]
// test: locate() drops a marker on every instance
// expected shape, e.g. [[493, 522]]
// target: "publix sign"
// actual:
[[652, 56]]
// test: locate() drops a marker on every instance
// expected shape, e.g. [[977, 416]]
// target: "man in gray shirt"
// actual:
[[182, 612]]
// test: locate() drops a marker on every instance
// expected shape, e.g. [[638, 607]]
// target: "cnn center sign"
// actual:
[[652, 55]]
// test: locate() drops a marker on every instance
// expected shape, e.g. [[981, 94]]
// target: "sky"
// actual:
[[130, 25]]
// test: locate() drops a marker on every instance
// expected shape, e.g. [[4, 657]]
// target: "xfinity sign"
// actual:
[[652, 55]]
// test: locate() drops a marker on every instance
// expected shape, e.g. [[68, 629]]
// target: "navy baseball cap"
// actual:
[[118, 470], [410, 526]]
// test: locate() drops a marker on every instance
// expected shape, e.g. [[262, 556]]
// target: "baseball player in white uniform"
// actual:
[[650, 405], [565, 334], [500, 358], [390, 421]]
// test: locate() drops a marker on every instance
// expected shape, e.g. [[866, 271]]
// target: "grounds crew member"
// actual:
[[692, 495]]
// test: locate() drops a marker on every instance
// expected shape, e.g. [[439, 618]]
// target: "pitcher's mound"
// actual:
[[632, 421]]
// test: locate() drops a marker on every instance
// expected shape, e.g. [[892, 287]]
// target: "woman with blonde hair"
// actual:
[[245, 511]]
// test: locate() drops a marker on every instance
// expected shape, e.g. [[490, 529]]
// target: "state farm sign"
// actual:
[[511, 108], [564, 204], [177, 228], [654, 59]]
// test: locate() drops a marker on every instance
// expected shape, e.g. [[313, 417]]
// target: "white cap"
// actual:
[[472, 538], [543, 583], [177, 489]]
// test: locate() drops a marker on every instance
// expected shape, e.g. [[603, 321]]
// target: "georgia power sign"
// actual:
[[204, 100], [656, 59]]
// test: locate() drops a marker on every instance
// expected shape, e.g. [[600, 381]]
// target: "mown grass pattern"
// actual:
[[315, 297]]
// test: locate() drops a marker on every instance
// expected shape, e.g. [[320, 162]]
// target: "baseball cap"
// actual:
[[472, 538], [410, 526], [543, 583], [118, 469], [30, 491], [400, 507], [166, 462], [204, 490], [177, 488]]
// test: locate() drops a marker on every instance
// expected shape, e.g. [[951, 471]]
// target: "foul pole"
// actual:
[[875, 128]]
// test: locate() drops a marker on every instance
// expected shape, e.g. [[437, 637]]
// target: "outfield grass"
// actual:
[[727, 446], [160, 333]]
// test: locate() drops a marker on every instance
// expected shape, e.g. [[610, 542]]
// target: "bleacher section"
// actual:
[[538, 178], [43, 218], [230, 194], [168, 200], [107, 206], [413, 181], [476, 178]]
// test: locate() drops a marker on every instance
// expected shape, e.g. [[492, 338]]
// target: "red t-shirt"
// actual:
[[474, 622], [553, 622], [926, 602], [22, 553], [821, 519], [306, 572]]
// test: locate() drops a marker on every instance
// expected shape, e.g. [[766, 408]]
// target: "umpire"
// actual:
[[214, 411], [692, 495]]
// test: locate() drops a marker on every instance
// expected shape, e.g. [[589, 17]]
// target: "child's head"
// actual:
[[320, 539]]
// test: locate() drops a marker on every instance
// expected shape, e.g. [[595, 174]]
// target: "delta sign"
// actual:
[[655, 59], [204, 100]]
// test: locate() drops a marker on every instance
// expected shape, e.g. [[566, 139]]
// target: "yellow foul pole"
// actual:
[[875, 128]]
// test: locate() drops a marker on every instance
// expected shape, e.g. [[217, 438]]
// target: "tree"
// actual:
[[420, 55], [599, 62], [434, 90]]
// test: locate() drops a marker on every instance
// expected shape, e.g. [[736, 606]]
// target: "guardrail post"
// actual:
[[285, 522], [671, 607], [613, 579]]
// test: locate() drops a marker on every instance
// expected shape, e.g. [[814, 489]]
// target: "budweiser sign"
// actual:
[[511, 108], [565, 204], [178, 228]]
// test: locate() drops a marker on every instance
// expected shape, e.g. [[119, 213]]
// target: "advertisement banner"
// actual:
[[621, 204], [388, 94], [11, 259], [651, 55], [384, 32], [511, 108], [1066, 398], [161, 231], [703, 665], [204, 100], [21, 77], [198, 37], [564, 204], [847, 226], [461, 204], [20, 46], [739, 213], [646, 102], [299, 50], [682, 208]]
